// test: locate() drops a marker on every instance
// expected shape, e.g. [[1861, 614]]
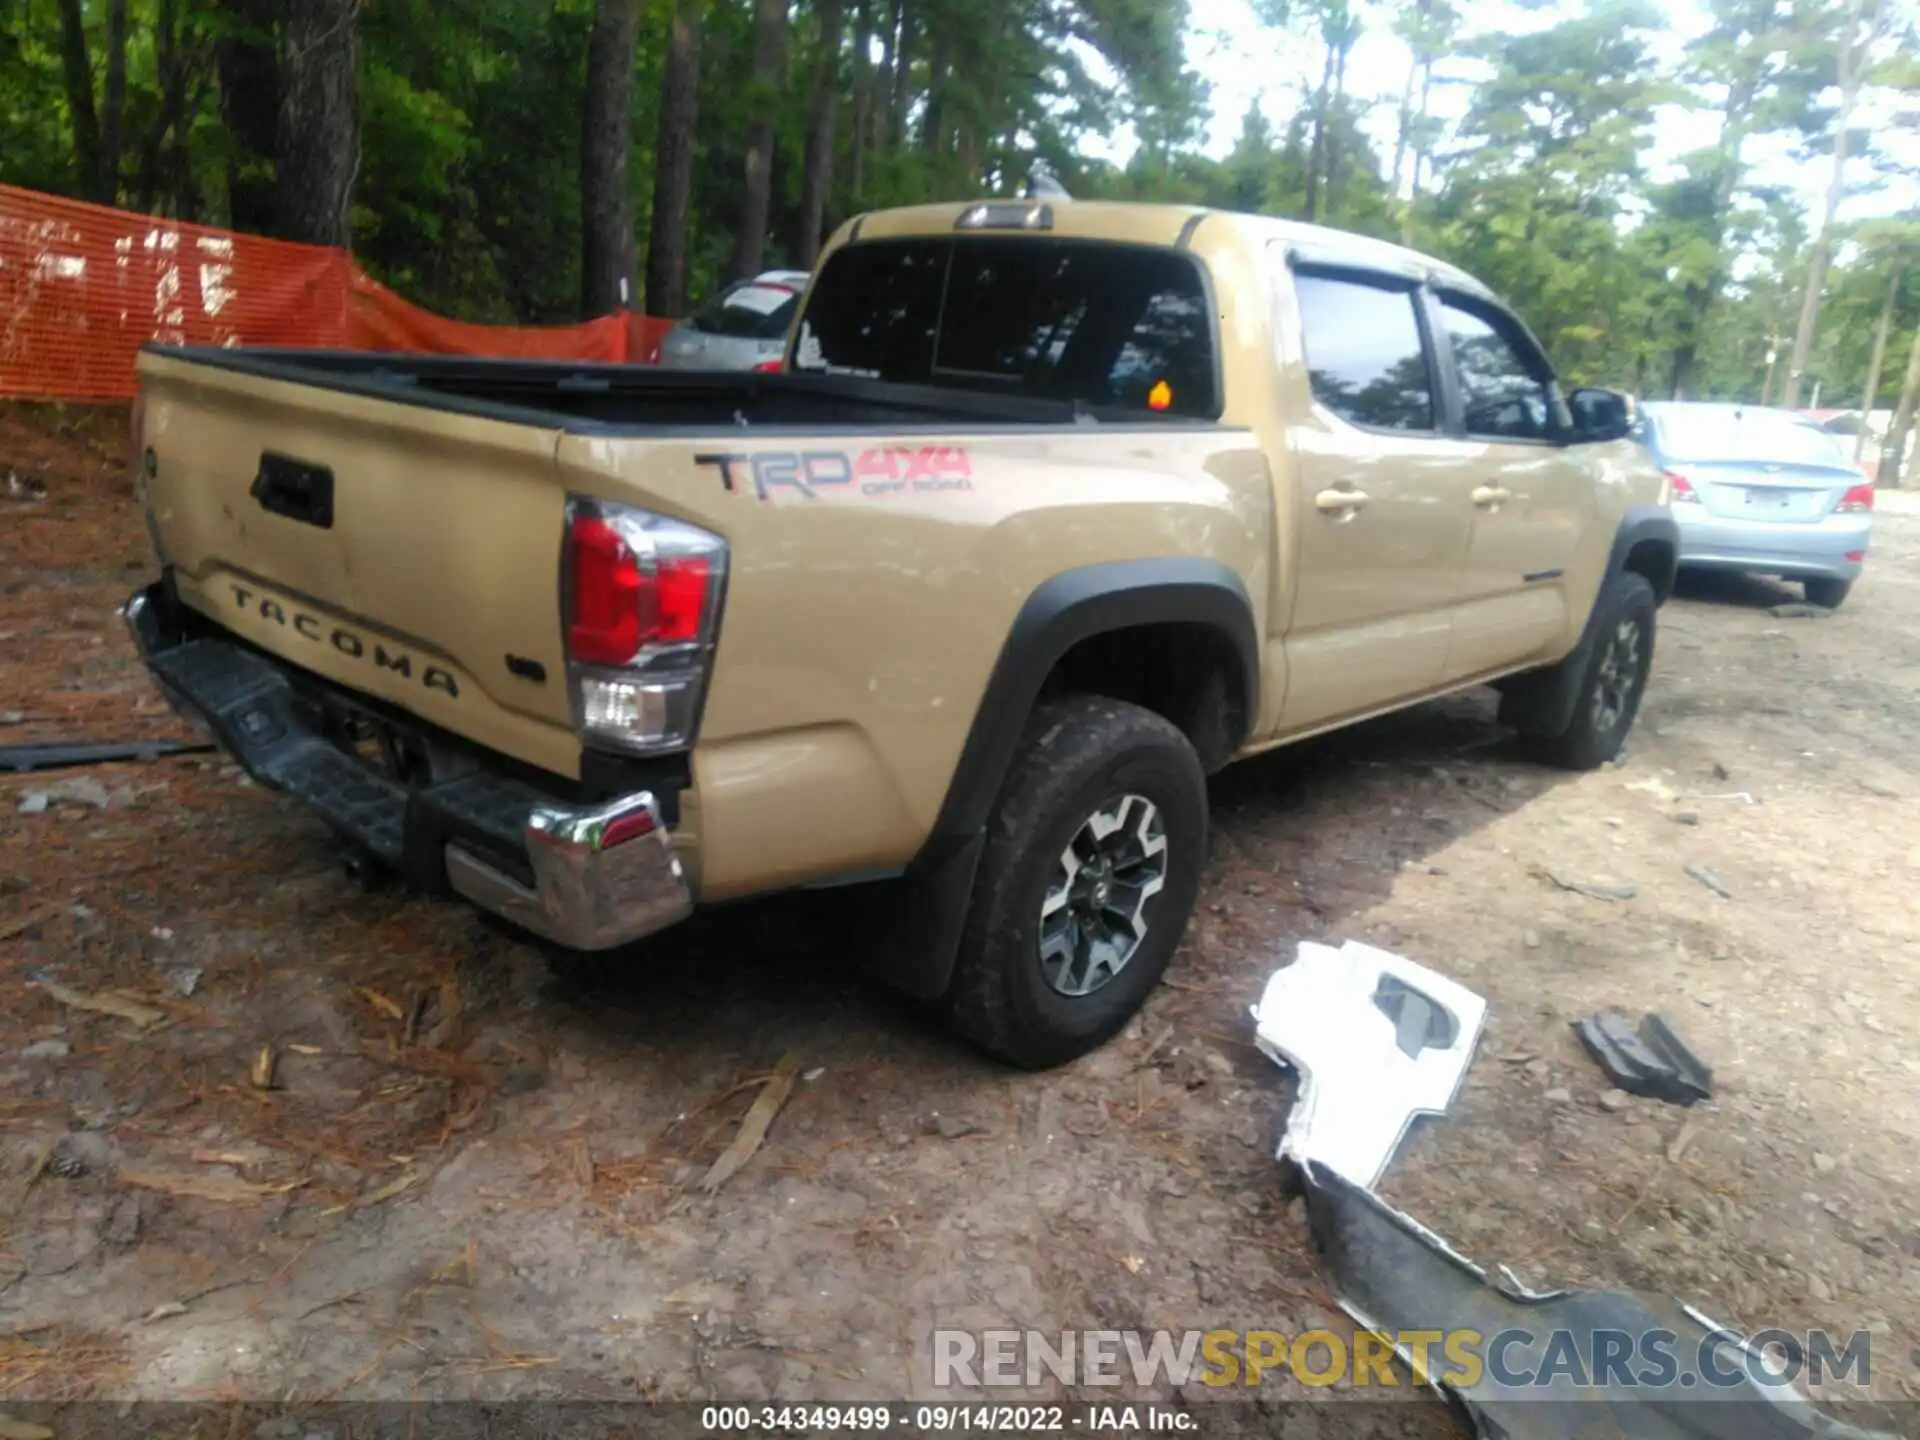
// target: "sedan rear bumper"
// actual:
[[1835, 547], [588, 875]]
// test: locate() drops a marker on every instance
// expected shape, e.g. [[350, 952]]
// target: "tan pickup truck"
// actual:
[[1056, 508]]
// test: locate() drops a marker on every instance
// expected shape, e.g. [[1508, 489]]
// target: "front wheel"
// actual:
[[1090, 873], [1825, 591], [1613, 682]]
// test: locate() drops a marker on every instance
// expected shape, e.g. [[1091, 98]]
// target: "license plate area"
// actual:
[[375, 742], [1766, 498]]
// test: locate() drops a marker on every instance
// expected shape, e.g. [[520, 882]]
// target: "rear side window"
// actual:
[[1502, 395], [1364, 353], [748, 312], [1118, 326]]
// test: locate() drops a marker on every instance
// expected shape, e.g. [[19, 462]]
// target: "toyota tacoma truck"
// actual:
[[1053, 509]]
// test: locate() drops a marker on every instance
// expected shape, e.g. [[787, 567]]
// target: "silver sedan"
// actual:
[[1764, 491], [744, 327]]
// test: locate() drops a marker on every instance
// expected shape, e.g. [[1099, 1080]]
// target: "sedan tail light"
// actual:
[[767, 367], [643, 596], [1682, 491], [1860, 497]]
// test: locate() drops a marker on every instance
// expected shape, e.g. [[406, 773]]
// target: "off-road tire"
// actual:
[[1603, 712], [1078, 757], [1825, 591]]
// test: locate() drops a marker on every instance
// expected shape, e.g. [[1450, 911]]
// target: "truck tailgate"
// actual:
[[433, 583]]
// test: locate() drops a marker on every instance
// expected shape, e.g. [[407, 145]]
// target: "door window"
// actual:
[[1365, 357], [1503, 395]]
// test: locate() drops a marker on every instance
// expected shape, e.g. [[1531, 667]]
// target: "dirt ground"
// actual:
[[470, 1180]]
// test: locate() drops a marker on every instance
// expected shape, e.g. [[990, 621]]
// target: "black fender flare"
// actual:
[[1640, 524], [1542, 701], [918, 952]]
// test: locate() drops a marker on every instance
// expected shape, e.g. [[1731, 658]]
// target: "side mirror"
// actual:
[[1601, 414]]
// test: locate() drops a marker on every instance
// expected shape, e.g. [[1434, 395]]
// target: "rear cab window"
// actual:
[[1113, 327]]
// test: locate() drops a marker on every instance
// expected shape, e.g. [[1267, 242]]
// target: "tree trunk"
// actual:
[[77, 69], [1852, 71], [769, 53], [1426, 109], [249, 70], [317, 150], [165, 180], [933, 120], [900, 68], [113, 109], [673, 165], [1876, 358], [1896, 447], [816, 176], [1403, 129], [966, 151], [860, 125], [1317, 154], [1335, 101], [607, 258]]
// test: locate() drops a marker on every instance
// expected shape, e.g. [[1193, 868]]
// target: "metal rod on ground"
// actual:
[[21, 758]]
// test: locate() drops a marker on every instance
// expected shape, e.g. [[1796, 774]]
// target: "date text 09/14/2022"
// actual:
[[994, 1419]]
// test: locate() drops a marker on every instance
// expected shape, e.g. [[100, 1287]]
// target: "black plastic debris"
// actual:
[[1652, 1061], [21, 758], [1556, 1364]]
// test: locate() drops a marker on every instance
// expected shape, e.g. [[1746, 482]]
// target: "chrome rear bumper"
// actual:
[[602, 876], [588, 876]]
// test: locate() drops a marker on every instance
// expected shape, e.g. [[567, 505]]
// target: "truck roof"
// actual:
[[1144, 223]]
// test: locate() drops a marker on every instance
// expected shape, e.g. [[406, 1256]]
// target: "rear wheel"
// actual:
[[1613, 682], [1091, 869], [1825, 591]]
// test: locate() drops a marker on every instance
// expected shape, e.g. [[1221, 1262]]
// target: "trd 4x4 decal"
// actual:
[[889, 470]]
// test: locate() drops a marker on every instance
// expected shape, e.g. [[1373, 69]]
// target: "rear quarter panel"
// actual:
[[864, 615]]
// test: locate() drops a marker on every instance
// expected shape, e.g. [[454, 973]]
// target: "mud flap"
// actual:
[[919, 919]]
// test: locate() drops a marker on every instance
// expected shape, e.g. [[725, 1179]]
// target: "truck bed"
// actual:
[[634, 400]]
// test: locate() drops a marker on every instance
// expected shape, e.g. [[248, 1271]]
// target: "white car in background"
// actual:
[[744, 327], [1763, 491]]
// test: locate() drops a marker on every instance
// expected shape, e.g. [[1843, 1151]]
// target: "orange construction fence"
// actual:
[[83, 287]]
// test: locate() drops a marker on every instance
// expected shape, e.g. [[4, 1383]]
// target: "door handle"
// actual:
[[1340, 501], [1487, 496]]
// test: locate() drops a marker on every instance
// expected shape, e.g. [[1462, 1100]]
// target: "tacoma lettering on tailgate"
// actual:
[[325, 632]]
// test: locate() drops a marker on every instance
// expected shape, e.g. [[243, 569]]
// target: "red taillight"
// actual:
[[767, 367], [642, 608], [1860, 497], [679, 600], [621, 606], [605, 619], [1683, 491]]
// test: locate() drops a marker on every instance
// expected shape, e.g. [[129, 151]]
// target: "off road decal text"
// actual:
[[887, 470]]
